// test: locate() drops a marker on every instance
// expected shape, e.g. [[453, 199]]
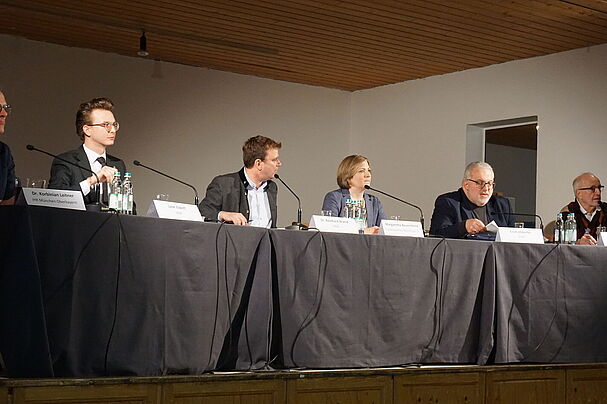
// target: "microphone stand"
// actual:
[[140, 164], [421, 214], [295, 225], [526, 215]]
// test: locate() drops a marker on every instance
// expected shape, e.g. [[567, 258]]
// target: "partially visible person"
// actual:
[[248, 196], [96, 127], [466, 212], [7, 164], [589, 211], [353, 174]]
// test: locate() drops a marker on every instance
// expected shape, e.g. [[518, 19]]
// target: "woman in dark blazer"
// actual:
[[353, 174]]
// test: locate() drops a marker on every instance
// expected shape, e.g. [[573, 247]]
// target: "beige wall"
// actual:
[[191, 122], [415, 132]]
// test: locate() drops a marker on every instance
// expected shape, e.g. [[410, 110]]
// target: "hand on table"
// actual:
[[233, 217], [475, 226]]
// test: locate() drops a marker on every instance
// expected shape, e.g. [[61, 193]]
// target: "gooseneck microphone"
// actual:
[[298, 224], [88, 169], [140, 164], [421, 214], [525, 215], [33, 148]]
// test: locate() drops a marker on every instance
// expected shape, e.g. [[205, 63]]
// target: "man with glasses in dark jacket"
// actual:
[[466, 212], [590, 212], [7, 164], [97, 128]]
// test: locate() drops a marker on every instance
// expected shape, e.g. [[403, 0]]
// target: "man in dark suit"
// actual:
[[249, 195], [7, 164], [97, 127], [466, 212]]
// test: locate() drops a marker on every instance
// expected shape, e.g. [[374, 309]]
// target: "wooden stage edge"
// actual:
[[550, 384]]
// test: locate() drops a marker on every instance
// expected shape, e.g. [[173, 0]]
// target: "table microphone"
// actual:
[[140, 164], [298, 223], [421, 214], [88, 169], [526, 215]]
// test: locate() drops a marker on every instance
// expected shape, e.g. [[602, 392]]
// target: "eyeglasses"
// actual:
[[107, 125], [592, 188], [482, 184], [5, 107]]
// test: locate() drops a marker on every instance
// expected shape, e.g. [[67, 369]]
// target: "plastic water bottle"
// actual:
[[559, 229], [360, 215], [349, 209], [115, 200], [127, 195], [570, 229]]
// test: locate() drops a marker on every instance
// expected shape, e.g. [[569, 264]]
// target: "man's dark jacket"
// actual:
[[228, 193], [451, 210], [68, 176]]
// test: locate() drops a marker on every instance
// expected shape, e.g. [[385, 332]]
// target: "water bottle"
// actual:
[[559, 229], [348, 210], [115, 188], [570, 229], [360, 215], [127, 195]]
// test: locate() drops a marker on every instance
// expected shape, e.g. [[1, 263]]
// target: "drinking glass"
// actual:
[[36, 183]]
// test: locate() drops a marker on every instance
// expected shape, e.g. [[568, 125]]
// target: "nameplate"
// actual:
[[602, 240], [334, 224], [401, 228], [54, 198], [518, 235], [174, 210]]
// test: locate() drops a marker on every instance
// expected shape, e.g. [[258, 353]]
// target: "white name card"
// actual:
[[334, 224], [518, 235], [54, 198], [174, 210], [401, 228], [602, 239]]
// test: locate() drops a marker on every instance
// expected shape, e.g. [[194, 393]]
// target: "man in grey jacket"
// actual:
[[247, 196]]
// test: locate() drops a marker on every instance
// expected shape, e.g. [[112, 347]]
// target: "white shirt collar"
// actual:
[[93, 156], [589, 216], [251, 183]]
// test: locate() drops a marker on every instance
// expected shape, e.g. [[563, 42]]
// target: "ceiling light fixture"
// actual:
[[143, 45]]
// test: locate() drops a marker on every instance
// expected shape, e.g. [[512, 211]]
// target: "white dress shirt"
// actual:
[[589, 216], [95, 166], [260, 214]]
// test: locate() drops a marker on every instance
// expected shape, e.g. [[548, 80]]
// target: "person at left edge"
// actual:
[[96, 127], [7, 164], [248, 196]]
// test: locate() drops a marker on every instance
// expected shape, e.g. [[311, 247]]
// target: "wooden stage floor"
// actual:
[[550, 384]]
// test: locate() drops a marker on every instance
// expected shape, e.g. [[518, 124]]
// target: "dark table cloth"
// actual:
[[358, 301], [103, 294], [87, 294], [550, 303]]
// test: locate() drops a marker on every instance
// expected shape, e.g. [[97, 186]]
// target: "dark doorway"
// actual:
[[512, 152]]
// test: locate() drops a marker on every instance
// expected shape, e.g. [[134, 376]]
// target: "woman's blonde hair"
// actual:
[[347, 168]]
